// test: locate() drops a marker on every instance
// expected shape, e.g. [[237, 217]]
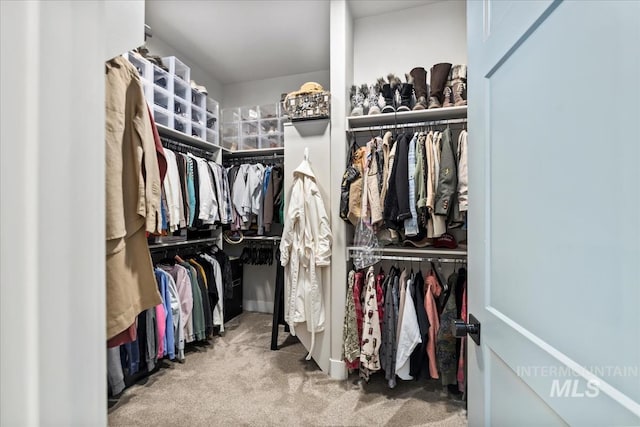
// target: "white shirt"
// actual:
[[206, 196], [409, 336], [218, 310]]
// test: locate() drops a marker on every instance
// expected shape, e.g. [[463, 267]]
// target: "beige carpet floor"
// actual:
[[240, 381]]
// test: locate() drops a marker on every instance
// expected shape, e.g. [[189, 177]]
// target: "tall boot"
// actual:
[[374, 97], [357, 101], [459, 84], [419, 75], [388, 91], [406, 93], [439, 75]]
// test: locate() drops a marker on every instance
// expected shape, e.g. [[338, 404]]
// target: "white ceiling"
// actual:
[[237, 41]]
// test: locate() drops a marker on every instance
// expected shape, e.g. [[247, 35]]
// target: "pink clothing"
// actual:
[[433, 291], [161, 324], [128, 335]]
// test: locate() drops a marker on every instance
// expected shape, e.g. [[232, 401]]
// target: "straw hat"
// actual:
[[308, 87]]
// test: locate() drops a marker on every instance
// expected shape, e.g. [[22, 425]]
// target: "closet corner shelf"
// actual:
[[417, 251], [252, 153], [186, 139], [403, 117]]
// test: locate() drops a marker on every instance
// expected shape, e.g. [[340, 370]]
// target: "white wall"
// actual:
[[268, 91], [416, 37], [158, 46], [341, 51], [52, 206]]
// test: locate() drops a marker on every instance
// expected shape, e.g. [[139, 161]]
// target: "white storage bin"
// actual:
[[212, 106], [212, 122], [198, 99], [212, 136], [249, 129], [269, 111], [231, 130], [271, 141], [177, 68], [230, 135], [162, 117], [182, 125], [182, 108], [198, 116], [250, 143], [230, 115], [143, 66], [181, 89], [249, 113], [162, 79], [270, 126], [162, 98], [198, 131]]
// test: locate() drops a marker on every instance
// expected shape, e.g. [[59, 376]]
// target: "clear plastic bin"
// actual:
[[162, 79], [213, 107], [182, 125], [181, 89], [198, 131], [162, 98], [249, 113], [198, 99], [143, 66], [250, 143], [230, 130], [269, 111], [250, 129], [162, 117], [198, 116], [182, 108], [271, 141], [230, 115], [270, 126], [177, 68], [212, 136], [230, 143], [212, 122]]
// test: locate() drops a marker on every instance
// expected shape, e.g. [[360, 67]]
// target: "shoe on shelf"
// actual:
[[419, 75], [439, 76], [199, 88]]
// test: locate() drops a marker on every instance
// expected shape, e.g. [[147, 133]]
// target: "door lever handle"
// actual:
[[461, 328]]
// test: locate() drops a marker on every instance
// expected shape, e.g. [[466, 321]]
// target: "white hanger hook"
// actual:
[[306, 153]]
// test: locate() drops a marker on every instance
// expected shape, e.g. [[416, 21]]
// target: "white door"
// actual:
[[554, 255]]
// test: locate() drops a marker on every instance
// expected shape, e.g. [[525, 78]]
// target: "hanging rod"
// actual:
[[185, 148], [421, 259], [195, 242], [249, 159], [407, 125]]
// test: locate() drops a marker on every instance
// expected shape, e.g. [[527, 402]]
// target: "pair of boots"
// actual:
[[448, 86], [397, 95], [365, 99]]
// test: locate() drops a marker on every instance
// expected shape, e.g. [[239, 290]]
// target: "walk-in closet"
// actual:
[[236, 234], [323, 212]]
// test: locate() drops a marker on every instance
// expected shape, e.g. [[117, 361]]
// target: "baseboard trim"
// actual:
[[338, 369]]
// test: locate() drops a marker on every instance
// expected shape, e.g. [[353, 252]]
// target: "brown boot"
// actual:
[[459, 85], [448, 97], [419, 75], [439, 75]]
